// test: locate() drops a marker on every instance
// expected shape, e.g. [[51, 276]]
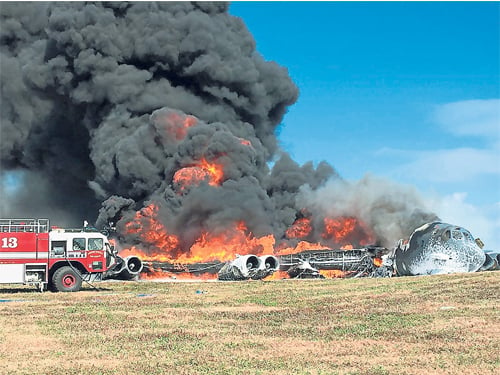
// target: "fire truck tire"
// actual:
[[66, 279]]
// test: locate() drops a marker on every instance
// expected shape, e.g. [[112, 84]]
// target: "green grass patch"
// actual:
[[446, 324]]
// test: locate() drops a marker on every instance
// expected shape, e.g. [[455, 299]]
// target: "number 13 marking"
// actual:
[[10, 242]]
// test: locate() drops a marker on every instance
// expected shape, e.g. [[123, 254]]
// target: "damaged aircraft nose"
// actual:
[[438, 248]]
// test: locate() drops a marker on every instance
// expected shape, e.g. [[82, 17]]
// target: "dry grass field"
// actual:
[[415, 325]]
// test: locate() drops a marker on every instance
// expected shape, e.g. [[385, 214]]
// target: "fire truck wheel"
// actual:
[[65, 279]]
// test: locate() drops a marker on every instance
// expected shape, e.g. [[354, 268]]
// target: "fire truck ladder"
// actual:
[[25, 225]]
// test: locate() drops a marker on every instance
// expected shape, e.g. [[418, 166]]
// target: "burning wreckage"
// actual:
[[304, 265], [433, 248]]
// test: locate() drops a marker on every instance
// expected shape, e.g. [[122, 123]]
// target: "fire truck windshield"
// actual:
[[96, 244]]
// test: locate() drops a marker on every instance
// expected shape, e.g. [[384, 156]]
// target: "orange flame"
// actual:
[[216, 172], [338, 229], [333, 274], [278, 275], [346, 230], [155, 275], [211, 173], [301, 246], [150, 230], [300, 228], [223, 245]]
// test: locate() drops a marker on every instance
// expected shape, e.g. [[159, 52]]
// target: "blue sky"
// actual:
[[409, 91]]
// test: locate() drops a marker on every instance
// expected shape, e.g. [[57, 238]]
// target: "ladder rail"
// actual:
[[25, 225]]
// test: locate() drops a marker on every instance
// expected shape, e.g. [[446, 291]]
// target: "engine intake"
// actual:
[[243, 267], [125, 268], [268, 265]]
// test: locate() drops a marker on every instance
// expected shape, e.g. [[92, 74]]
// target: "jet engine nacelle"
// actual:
[[250, 266], [125, 268], [268, 265]]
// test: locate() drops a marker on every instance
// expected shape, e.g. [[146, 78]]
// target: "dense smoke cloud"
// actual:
[[108, 107]]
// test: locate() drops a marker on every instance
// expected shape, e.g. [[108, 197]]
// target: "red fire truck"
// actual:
[[31, 252]]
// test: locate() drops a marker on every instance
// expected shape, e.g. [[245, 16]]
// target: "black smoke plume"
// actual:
[[103, 103]]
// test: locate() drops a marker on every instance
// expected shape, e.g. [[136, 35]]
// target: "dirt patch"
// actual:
[[246, 308], [22, 344]]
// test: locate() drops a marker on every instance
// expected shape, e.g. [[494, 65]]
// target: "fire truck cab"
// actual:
[[31, 252]]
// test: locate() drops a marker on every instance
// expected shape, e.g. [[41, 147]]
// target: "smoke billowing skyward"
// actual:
[[164, 115]]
